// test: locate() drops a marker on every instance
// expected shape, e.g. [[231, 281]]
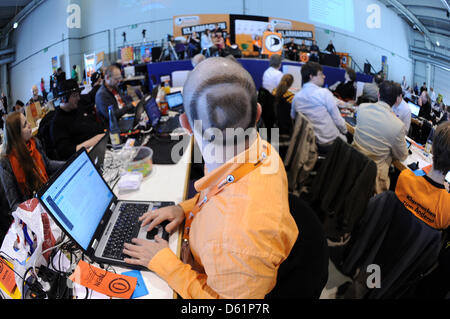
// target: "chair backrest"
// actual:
[[179, 77], [391, 237], [304, 273], [45, 135]]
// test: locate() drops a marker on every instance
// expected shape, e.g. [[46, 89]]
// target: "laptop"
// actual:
[[415, 109], [155, 118], [175, 101], [127, 124], [97, 153], [85, 208]]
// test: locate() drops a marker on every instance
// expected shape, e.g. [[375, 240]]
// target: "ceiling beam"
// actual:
[[412, 18]]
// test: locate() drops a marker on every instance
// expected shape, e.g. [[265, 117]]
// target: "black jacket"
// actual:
[[342, 188]]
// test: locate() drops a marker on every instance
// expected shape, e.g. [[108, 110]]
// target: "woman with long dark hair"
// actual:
[[24, 167]]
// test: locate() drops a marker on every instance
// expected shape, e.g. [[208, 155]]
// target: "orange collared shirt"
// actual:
[[427, 200], [239, 238]]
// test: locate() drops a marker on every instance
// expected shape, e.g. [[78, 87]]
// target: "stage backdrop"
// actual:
[[244, 29]]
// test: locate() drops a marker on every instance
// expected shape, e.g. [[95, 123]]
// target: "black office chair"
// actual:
[[304, 274], [269, 116]]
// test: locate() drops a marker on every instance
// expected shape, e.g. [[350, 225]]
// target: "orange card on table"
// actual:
[[103, 281], [7, 278], [427, 169]]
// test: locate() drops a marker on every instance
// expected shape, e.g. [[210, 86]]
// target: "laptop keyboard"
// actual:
[[126, 228]]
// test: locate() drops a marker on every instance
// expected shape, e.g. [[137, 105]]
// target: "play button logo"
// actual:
[[273, 43]]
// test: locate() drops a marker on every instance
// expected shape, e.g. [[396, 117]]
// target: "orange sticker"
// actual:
[[7, 278], [103, 281], [427, 169]]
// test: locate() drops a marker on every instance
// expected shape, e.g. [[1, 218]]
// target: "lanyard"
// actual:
[[235, 176]]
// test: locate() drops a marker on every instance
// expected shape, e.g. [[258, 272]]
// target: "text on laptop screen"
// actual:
[[78, 199], [415, 109], [175, 99]]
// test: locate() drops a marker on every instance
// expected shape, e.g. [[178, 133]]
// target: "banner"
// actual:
[[127, 55], [54, 64], [100, 60], [187, 24], [89, 64], [272, 43]]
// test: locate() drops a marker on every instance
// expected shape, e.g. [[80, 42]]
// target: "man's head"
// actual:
[[222, 95], [275, 61], [113, 76], [441, 148], [19, 105], [351, 74], [197, 59], [389, 91], [35, 90], [69, 93], [313, 72]]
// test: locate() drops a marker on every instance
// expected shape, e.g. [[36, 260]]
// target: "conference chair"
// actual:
[[304, 274], [179, 77], [403, 248], [301, 156], [341, 189]]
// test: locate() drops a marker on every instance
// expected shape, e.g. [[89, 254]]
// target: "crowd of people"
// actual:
[[239, 240]]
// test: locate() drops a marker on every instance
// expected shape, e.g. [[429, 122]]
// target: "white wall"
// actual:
[[103, 22]]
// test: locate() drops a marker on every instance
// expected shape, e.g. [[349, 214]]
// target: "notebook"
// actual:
[[127, 124], [175, 101], [97, 153], [166, 126], [86, 209], [415, 109]]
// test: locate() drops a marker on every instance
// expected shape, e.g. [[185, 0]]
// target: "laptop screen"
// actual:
[[415, 109], [152, 110], [78, 199], [174, 99]]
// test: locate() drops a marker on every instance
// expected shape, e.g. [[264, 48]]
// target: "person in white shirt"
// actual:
[[319, 106], [403, 112], [272, 76]]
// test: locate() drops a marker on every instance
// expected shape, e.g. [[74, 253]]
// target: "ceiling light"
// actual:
[[437, 43], [15, 25]]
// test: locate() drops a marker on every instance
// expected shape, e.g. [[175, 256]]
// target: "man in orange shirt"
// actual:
[[426, 196], [238, 228]]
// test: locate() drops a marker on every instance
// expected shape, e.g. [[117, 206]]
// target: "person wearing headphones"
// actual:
[[24, 166], [73, 128]]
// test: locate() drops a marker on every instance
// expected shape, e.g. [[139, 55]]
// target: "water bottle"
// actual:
[[428, 147], [114, 130]]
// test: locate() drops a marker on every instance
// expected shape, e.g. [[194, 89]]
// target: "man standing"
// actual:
[[380, 134], [73, 129], [238, 229], [319, 106], [273, 75], [109, 94], [36, 97]]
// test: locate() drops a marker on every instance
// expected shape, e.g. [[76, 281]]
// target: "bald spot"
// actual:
[[220, 93]]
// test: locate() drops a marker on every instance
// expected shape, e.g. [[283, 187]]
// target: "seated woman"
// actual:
[[426, 196], [283, 102], [347, 91], [24, 167]]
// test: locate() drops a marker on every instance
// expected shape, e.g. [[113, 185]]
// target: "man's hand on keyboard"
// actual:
[[173, 214]]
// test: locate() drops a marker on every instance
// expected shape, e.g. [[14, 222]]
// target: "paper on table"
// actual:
[[141, 289]]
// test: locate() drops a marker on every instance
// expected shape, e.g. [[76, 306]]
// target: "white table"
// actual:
[[167, 183]]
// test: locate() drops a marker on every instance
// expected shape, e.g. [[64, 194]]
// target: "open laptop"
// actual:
[[97, 153], [175, 101], [128, 123], [86, 209], [155, 118], [415, 109]]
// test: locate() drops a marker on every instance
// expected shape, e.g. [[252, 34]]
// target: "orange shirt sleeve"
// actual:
[[188, 283], [188, 205]]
